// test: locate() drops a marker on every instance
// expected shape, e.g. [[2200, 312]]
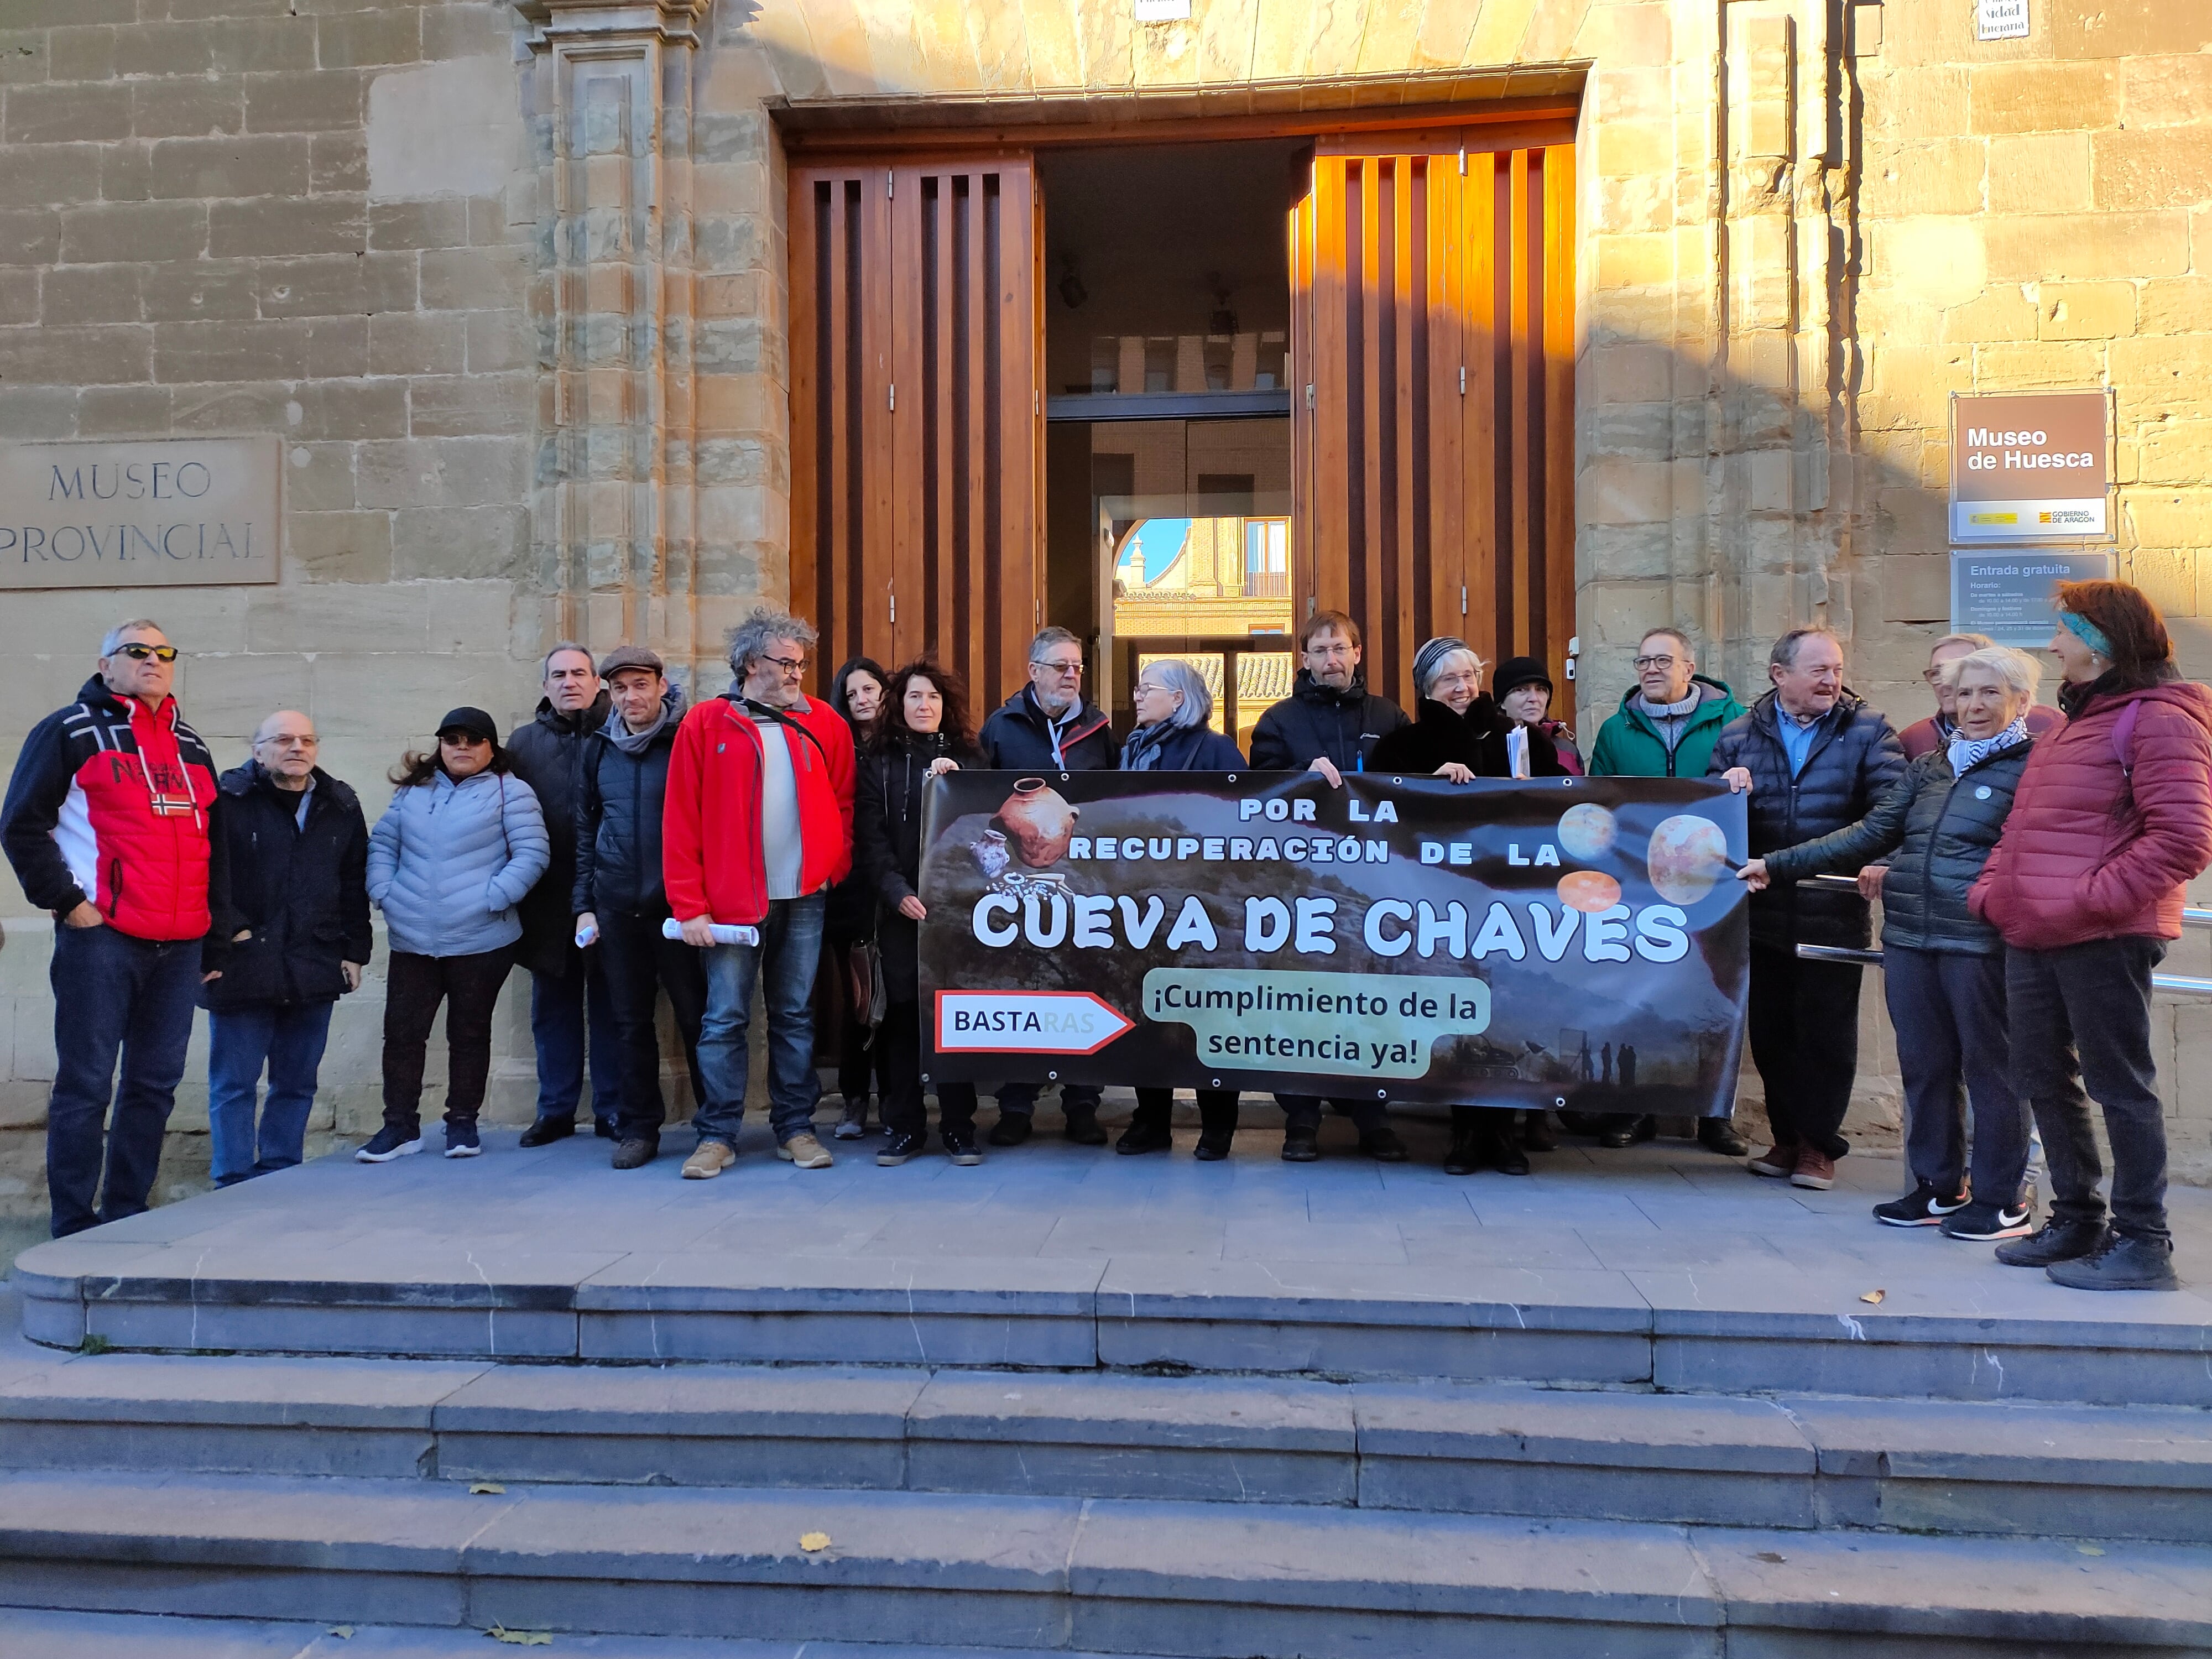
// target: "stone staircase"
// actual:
[[788, 1509]]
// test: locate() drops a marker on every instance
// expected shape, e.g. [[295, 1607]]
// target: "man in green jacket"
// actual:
[[1665, 728]]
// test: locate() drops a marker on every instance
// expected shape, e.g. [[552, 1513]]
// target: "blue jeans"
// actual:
[[791, 944], [288, 1040], [114, 994], [562, 1013]]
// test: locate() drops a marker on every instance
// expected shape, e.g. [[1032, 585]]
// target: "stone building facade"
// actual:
[[511, 283]]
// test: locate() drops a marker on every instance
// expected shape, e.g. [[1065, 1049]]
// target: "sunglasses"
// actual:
[[141, 653], [461, 740]]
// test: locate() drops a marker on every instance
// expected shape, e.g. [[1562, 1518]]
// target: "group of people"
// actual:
[[623, 844]]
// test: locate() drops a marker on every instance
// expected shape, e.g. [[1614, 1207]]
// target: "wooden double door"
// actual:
[[1432, 347]]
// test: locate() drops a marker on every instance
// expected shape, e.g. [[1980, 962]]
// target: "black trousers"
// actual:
[[1949, 1012], [898, 1044], [413, 987], [638, 964], [1216, 1109], [1804, 1023], [2080, 1014], [1303, 1111]]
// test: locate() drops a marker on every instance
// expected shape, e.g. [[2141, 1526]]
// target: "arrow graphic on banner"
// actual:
[[1027, 1022]]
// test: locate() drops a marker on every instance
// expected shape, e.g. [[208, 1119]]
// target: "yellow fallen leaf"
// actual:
[[344, 1632], [521, 1638], [1874, 1297], [2088, 1549], [814, 1542], [486, 1489]]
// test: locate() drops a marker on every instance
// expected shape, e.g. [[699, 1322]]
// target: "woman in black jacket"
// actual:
[[1943, 969], [1459, 732], [1175, 733], [923, 730], [848, 922]]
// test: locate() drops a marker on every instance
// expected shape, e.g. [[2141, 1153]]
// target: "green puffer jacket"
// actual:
[[1629, 744], [1941, 830]]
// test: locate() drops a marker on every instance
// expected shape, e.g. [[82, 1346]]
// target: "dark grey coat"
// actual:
[[1941, 830], [1856, 758]]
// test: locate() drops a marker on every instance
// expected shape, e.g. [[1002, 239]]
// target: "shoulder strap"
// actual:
[[2124, 734], [782, 719]]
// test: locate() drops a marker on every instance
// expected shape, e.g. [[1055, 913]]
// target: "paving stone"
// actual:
[[2056, 1597], [706, 1425], [1222, 1438], [1403, 1584]]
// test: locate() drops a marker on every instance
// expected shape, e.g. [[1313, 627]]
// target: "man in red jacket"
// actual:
[[759, 828], [107, 825]]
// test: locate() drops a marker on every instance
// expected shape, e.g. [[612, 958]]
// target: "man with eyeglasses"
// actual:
[[105, 823], [291, 936], [1331, 722], [1049, 725], [572, 1008], [1665, 728], [758, 826]]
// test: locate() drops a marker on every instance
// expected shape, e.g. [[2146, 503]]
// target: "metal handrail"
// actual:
[[2176, 985], [2192, 915]]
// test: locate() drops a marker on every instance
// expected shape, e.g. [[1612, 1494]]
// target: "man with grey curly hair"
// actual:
[[758, 827]]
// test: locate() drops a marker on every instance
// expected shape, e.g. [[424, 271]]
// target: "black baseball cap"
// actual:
[[474, 721]]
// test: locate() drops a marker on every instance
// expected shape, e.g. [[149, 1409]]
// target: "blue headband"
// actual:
[[2087, 632]]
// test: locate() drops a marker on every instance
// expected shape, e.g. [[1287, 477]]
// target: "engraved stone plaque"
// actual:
[[156, 513]]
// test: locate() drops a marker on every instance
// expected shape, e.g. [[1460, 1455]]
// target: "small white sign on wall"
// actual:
[[2000, 20]]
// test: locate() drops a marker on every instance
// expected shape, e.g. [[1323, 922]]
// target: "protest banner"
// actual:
[[1576, 942]]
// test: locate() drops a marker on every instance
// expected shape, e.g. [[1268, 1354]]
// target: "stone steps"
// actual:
[[38, 1633], [1335, 1321], [1797, 1462], [1053, 1574]]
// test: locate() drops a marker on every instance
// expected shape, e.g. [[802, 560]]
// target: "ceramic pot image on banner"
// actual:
[[1037, 822]]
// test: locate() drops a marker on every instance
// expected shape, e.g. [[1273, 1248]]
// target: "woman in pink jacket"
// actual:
[[2112, 815]]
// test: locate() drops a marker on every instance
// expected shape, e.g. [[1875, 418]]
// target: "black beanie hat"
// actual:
[[1517, 672]]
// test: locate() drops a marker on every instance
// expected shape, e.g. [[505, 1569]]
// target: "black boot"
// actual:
[[1217, 1120], [1717, 1134], [1499, 1149], [1465, 1157], [1148, 1130], [2056, 1241], [1539, 1134], [1083, 1127], [2124, 1264]]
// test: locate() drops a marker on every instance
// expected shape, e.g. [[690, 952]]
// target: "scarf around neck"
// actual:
[[1966, 751], [635, 744]]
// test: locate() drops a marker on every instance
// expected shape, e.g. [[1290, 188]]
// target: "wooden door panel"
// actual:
[[917, 413], [1433, 339]]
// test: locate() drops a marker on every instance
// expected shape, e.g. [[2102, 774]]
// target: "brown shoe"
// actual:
[[1779, 1161], [710, 1160], [804, 1150], [1815, 1170]]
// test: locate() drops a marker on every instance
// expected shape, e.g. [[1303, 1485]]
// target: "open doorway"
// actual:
[[1168, 438]]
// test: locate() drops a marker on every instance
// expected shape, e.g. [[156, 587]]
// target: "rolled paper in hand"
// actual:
[[724, 932], [586, 936]]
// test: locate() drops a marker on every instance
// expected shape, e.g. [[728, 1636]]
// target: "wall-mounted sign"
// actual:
[[2006, 593], [166, 513], [2000, 20], [2030, 466]]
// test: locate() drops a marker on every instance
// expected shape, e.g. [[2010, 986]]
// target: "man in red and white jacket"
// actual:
[[107, 826], [758, 827]]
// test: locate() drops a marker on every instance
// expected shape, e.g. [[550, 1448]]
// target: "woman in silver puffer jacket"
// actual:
[[461, 843]]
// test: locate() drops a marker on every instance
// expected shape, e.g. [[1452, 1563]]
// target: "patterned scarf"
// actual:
[[1973, 751]]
